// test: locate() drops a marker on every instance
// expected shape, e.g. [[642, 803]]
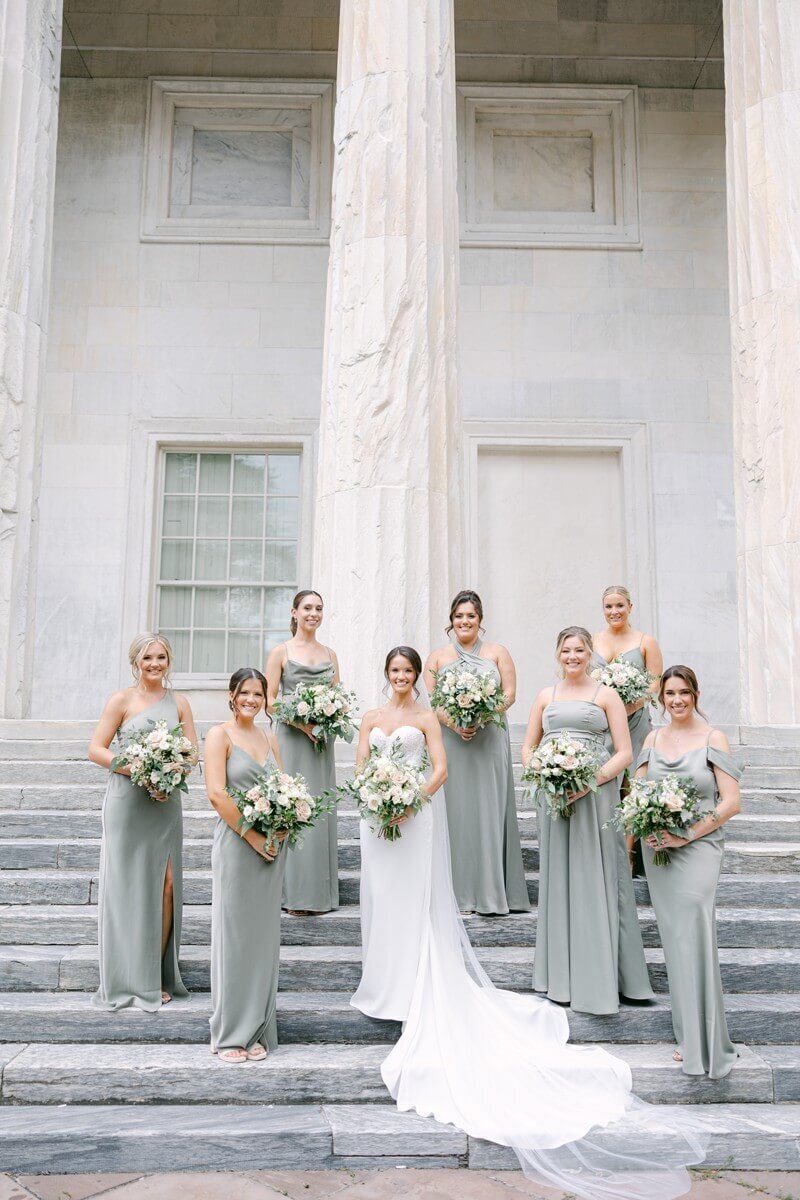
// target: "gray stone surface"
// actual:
[[785, 1064], [378, 1131]]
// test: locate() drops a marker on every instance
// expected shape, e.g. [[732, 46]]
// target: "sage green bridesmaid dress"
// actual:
[[588, 941], [683, 897], [640, 722], [485, 851], [140, 836], [245, 928], [311, 882]]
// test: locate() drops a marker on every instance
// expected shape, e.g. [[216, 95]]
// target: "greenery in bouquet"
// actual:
[[385, 788], [630, 682], [160, 759], [279, 803], [654, 805], [561, 767], [468, 698], [326, 707]]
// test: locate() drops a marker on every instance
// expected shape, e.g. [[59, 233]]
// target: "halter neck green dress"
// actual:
[[485, 851], [311, 882], [588, 941], [640, 722], [245, 927], [140, 836], [683, 897]]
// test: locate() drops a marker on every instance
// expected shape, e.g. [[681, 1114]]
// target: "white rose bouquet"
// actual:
[[653, 805], [467, 697], [160, 759], [384, 788], [279, 803], [630, 682], [560, 767], [326, 707]]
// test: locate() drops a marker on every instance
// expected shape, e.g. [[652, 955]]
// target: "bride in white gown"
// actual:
[[494, 1063]]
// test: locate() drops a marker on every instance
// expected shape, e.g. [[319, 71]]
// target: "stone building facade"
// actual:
[[395, 298]]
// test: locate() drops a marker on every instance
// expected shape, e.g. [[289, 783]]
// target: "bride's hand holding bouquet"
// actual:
[[387, 790]]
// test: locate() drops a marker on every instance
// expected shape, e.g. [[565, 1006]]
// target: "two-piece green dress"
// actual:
[[245, 927], [485, 851], [311, 882], [588, 942], [140, 837], [683, 896]]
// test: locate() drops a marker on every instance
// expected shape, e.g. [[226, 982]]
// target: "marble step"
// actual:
[[76, 924], [321, 1017], [84, 1139], [338, 968], [59, 1073]]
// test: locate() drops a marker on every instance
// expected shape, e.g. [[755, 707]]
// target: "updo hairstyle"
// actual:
[[239, 679], [466, 596], [138, 649], [573, 631], [301, 596], [617, 589], [413, 657], [689, 678]]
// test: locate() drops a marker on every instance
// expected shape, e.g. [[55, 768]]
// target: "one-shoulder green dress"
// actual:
[[485, 851], [683, 897], [140, 837], [311, 882], [588, 941], [245, 928]]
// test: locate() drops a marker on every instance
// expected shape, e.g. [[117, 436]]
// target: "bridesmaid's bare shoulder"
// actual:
[[718, 741], [216, 737], [649, 741]]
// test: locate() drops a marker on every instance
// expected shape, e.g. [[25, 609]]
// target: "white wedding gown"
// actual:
[[495, 1063]]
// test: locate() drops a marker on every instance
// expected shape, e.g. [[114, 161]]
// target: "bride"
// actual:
[[494, 1063]]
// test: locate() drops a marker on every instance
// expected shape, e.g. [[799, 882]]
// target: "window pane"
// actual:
[[212, 516], [179, 640], [178, 516], [246, 560], [176, 560], [215, 473], [281, 560], [273, 638], [282, 518], [248, 473], [180, 474], [208, 653], [175, 607], [211, 560], [283, 474], [245, 608], [278, 610], [244, 650], [210, 605], [247, 516]]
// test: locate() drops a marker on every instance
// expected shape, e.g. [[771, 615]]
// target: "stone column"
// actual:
[[387, 533], [30, 50], [762, 79]]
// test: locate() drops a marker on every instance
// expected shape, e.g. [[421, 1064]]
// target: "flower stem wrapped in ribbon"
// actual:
[[652, 806], [630, 682], [279, 803], [326, 707], [561, 767], [468, 698], [160, 759], [385, 788]]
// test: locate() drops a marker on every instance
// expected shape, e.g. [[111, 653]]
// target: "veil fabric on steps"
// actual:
[[498, 1065]]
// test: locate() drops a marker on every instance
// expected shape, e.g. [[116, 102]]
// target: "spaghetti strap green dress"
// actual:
[[588, 941], [640, 722], [311, 882], [140, 837], [245, 928], [486, 856], [683, 896]]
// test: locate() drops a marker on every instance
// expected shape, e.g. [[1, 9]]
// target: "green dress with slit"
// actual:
[[140, 837], [588, 941], [683, 896], [245, 927]]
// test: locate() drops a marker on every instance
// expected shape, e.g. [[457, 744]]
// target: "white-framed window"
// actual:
[[227, 554]]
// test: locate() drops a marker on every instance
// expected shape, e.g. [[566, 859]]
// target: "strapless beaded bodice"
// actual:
[[410, 738]]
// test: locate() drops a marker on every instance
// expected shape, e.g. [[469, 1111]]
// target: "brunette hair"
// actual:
[[300, 596], [237, 681], [615, 589], [138, 648], [465, 596], [413, 657], [573, 631], [689, 678]]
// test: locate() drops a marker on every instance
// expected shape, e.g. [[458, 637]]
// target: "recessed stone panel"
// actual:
[[542, 172]]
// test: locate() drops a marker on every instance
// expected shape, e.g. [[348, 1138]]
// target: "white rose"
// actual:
[[329, 709], [303, 709], [248, 812]]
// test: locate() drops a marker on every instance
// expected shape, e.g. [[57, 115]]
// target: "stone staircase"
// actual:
[[87, 1091]]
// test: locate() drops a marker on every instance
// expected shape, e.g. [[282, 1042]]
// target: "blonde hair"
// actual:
[[573, 631], [138, 648], [617, 589]]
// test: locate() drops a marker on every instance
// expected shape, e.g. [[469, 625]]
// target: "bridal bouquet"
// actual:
[[326, 707], [279, 803], [160, 759], [630, 682], [652, 805], [384, 788], [560, 767], [467, 697]]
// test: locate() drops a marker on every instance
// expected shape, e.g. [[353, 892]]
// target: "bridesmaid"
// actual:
[[311, 883], [140, 901], [247, 873], [588, 943], [683, 893], [488, 875]]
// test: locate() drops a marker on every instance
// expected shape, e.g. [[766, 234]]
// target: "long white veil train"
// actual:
[[497, 1065]]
